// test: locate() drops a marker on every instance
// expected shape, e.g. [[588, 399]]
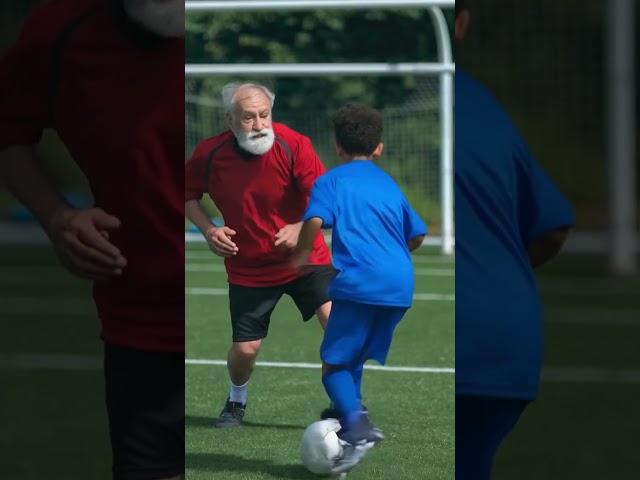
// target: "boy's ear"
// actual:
[[339, 150], [378, 151]]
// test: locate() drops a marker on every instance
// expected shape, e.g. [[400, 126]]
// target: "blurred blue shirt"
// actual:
[[503, 201], [372, 222]]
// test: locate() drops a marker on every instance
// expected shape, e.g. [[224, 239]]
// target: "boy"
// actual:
[[374, 230]]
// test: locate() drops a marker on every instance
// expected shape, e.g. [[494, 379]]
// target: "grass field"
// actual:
[[284, 400], [585, 424]]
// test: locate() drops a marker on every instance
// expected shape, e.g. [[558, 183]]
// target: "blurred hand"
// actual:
[[288, 236], [81, 241], [300, 259], [219, 240]]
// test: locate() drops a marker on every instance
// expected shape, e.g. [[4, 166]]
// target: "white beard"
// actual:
[[259, 145], [164, 18]]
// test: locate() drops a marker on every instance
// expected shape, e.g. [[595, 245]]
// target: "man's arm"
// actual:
[[197, 215], [26, 181], [218, 238], [546, 246], [80, 237]]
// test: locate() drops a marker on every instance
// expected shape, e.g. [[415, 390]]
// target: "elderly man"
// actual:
[[260, 175], [108, 76]]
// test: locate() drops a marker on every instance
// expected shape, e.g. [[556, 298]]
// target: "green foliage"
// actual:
[[322, 36]]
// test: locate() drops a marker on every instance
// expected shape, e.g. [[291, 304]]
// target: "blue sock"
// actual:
[[342, 392], [356, 373]]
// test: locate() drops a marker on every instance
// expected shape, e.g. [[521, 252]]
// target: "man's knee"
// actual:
[[247, 350]]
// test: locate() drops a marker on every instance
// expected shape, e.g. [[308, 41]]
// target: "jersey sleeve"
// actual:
[[541, 205], [195, 175], [24, 81], [321, 203], [306, 165], [414, 226]]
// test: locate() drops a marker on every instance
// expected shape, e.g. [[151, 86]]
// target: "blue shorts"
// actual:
[[357, 332]]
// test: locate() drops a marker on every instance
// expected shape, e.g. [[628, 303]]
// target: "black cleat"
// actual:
[[231, 415], [333, 413]]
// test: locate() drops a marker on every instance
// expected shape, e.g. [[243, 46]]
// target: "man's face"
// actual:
[[251, 120], [162, 17]]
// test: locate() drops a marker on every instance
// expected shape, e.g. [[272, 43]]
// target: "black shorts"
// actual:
[[251, 307], [145, 405]]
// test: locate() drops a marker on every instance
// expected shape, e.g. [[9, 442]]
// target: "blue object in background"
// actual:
[[77, 198], [218, 222]]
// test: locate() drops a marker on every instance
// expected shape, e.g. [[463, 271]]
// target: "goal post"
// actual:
[[443, 69]]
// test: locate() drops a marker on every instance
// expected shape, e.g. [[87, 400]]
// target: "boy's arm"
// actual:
[[545, 247], [415, 230], [415, 242], [308, 233]]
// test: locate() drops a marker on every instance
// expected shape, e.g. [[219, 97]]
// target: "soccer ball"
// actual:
[[321, 446]]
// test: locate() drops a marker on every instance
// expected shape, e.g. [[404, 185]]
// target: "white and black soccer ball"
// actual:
[[321, 447]]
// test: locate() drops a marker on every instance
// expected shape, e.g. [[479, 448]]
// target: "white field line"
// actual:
[[385, 368], [427, 272], [428, 259], [61, 362], [224, 291]]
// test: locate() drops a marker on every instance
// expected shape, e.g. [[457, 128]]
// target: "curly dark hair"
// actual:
[[459, 6], [358, 129]]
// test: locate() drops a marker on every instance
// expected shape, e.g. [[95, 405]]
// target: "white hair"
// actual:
[[230, 89]]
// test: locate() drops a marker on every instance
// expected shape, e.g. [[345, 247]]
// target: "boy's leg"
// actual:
[[251, 310], [482, 423], [342, 351]]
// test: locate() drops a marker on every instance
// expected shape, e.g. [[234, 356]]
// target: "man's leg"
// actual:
[[145, 405], [251, 310]]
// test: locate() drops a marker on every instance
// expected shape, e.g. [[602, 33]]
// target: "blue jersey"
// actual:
[[503, 201], [372, 222]]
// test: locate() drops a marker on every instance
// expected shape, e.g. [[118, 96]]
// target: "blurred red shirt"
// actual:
[[115, 95]]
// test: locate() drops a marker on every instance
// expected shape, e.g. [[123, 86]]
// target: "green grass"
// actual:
[[284, 401], [579, 430], [53, 420]]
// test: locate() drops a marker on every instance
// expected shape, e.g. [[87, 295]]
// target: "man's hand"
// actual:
[[288, 236], [219, 240], [81, 241]]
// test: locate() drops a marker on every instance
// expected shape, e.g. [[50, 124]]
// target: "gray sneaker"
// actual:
[[231, 415], [351, 456], [356, 442]]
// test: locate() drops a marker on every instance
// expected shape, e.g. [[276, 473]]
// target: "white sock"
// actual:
[[238, 393]]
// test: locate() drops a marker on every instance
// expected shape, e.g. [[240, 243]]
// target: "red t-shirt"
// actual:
[[257, 195], [115, 95]]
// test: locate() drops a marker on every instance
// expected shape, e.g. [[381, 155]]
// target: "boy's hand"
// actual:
[[300, 258], [288, 236]]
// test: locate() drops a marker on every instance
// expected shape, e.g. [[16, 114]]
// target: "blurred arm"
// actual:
[[546, 246], [28, 183], [415, 242]]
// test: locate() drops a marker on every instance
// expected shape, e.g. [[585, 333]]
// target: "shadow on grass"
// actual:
[[207, 422], [222, 462]]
